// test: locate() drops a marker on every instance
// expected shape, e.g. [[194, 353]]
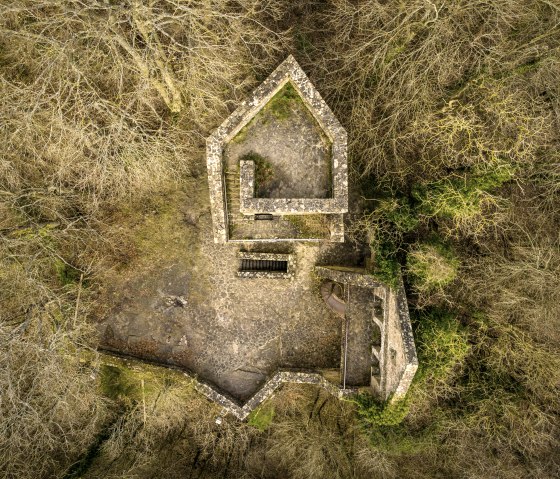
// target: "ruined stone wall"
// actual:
[[400, 360], [228, 404], [284, 206], [287, 71], [397, 354]]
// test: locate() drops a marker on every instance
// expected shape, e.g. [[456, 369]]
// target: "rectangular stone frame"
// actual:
[[283, 206], [289, 258]]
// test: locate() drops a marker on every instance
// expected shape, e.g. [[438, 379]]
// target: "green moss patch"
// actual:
[[264, 172], [310, 226], [281, 104], [262, 417]]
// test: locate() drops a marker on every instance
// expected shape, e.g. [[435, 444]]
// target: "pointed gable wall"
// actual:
[[287, 71]]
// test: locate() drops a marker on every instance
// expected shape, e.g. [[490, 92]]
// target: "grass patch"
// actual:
[[264, 172], [120, 384], [262, 417], [281, 104], [242, 135], [310, 226], [66, 273]]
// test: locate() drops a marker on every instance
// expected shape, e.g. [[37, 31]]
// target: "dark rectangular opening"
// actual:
[[263, 216], [264, 265]]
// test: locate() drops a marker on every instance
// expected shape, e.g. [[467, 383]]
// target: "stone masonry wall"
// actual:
[[287, 71], [228, 404], [252, 205], [284, 206], [399, 361]]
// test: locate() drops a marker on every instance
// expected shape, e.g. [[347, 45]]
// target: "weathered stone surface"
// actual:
[[233, 332], [343, 274], [294, 147], [401, 361]]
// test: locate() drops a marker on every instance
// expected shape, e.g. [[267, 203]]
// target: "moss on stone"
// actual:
[[280, 105], [310, 226]]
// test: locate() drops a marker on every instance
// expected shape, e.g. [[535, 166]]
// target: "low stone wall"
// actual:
[[247, 181], [292, 206], [281, 377], [282, 206], [354, 276], [337, 228], [228, 404]]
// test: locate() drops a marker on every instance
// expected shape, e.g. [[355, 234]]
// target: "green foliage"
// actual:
[[462, 196], [280, 105], [397, 213], [120, 384], [442, 345], [387, 267], [441, 342], [431, 266], [390, 219], [376, 413], [66, 273], [261, 418], [264, 171]]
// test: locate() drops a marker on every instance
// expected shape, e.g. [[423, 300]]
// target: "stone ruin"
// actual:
[[392, 354], [257, 305], [377, 347], [247, 209]]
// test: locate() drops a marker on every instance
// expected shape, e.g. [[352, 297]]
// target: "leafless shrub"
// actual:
[[50, 407], [427, 86], [110, 101], [104, 105]]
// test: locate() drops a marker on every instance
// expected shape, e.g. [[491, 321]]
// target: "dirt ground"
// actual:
[[362, 334], [181, 303], [296, 148]]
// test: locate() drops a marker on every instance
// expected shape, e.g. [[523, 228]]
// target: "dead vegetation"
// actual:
[[452, 110]]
